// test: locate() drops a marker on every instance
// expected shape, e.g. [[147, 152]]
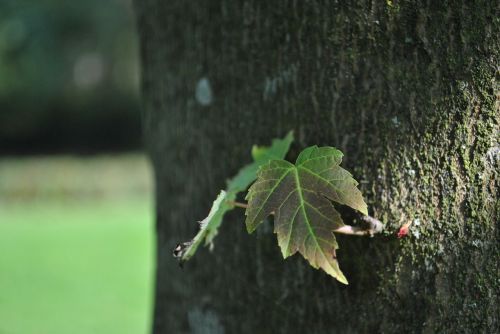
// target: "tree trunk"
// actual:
[[407, 90]]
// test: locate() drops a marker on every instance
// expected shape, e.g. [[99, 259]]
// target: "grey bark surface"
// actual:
[[408, 90]]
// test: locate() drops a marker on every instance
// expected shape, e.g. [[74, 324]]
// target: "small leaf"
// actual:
[[210, 225], [261, 155], [186, 250], [300, 197], [246, 175]]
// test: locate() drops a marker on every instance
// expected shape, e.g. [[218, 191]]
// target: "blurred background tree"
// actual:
[[68, 76], [76, 237]]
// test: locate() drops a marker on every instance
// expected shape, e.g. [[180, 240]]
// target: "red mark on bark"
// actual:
[[404, 230]]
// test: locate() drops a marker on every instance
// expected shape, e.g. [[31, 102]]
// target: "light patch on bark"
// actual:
[[204, 322]]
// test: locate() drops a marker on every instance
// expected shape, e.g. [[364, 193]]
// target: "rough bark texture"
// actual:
[[408, 90]]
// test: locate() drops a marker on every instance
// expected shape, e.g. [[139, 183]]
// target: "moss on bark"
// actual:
[[408, 90]]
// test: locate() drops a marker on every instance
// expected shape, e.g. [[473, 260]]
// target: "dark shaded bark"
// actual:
[[407, 90]]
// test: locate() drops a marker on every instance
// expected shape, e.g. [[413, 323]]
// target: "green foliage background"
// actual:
[[68, 76]]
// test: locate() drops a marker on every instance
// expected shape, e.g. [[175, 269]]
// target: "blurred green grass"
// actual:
[[76, 245]]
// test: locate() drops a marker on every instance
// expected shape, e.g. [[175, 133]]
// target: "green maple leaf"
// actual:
[[300, 197], [210, 225]]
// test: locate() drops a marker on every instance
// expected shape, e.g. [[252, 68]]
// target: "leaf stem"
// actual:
[[374, 225], [238, 204]]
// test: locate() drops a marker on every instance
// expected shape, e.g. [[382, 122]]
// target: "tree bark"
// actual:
[[408, 90]]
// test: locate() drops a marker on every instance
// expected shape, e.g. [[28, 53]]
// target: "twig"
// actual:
[[374, 225], [238, 204]]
